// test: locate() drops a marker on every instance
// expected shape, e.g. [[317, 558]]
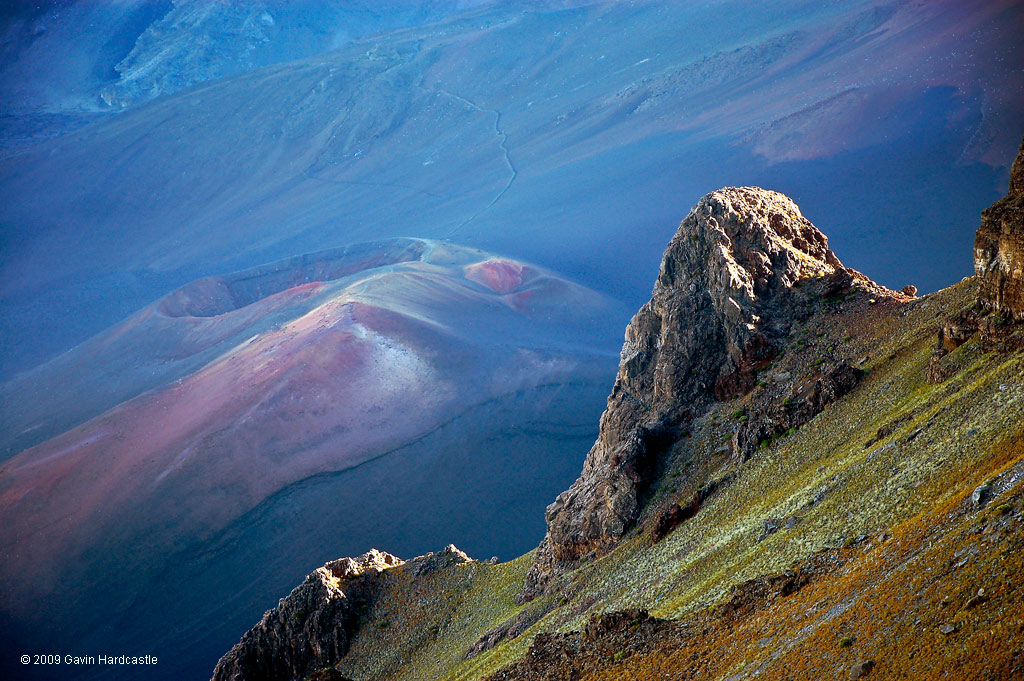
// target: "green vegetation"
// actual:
[[955, 426]]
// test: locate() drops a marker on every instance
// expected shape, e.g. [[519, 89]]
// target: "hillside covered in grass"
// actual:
[[800, 473]]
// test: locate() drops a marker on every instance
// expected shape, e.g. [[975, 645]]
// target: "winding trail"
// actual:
[[503, 143]]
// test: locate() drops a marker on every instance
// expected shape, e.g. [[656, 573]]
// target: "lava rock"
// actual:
[[308, 631], [999, 249], [981, 494], [507, 630], [861, 669], [722, 305], [768, 526], [835, 382], [673, 516], [311, 629], [432, 562]]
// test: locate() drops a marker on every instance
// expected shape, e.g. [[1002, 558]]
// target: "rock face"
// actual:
[[999, 249], [722, 303], [307, 631], [999, 268], [311, 629], [835, 381]]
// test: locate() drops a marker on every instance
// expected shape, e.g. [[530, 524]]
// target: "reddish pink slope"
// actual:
[[365, 364]]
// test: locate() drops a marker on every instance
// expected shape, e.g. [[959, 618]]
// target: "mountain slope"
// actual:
[[878, 534], [65, 62], [478, 127]]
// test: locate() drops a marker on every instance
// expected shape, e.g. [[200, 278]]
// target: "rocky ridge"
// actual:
[[725, 298], [312, 627]]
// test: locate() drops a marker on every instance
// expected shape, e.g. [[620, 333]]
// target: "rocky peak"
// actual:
[[311, 629], [732, 263], [999, 249], [724, 299], [432, 562], [346, 568]]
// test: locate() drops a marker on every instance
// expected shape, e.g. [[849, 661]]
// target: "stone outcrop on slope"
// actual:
[[311, 629], [778, 417], [999, 249], [999, 269], [723, 301]]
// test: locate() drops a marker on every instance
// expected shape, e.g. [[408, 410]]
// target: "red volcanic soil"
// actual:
[[214, 296], [501, 276]]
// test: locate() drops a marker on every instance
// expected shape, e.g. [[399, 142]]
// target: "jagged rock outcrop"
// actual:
[[432, 562], [722, 304], [999, 269], [796, 410], [999, 249], [308, 630], [311, 629], [509, 629]]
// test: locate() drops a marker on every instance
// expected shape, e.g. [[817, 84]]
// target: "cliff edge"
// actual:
[[999, 249]]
